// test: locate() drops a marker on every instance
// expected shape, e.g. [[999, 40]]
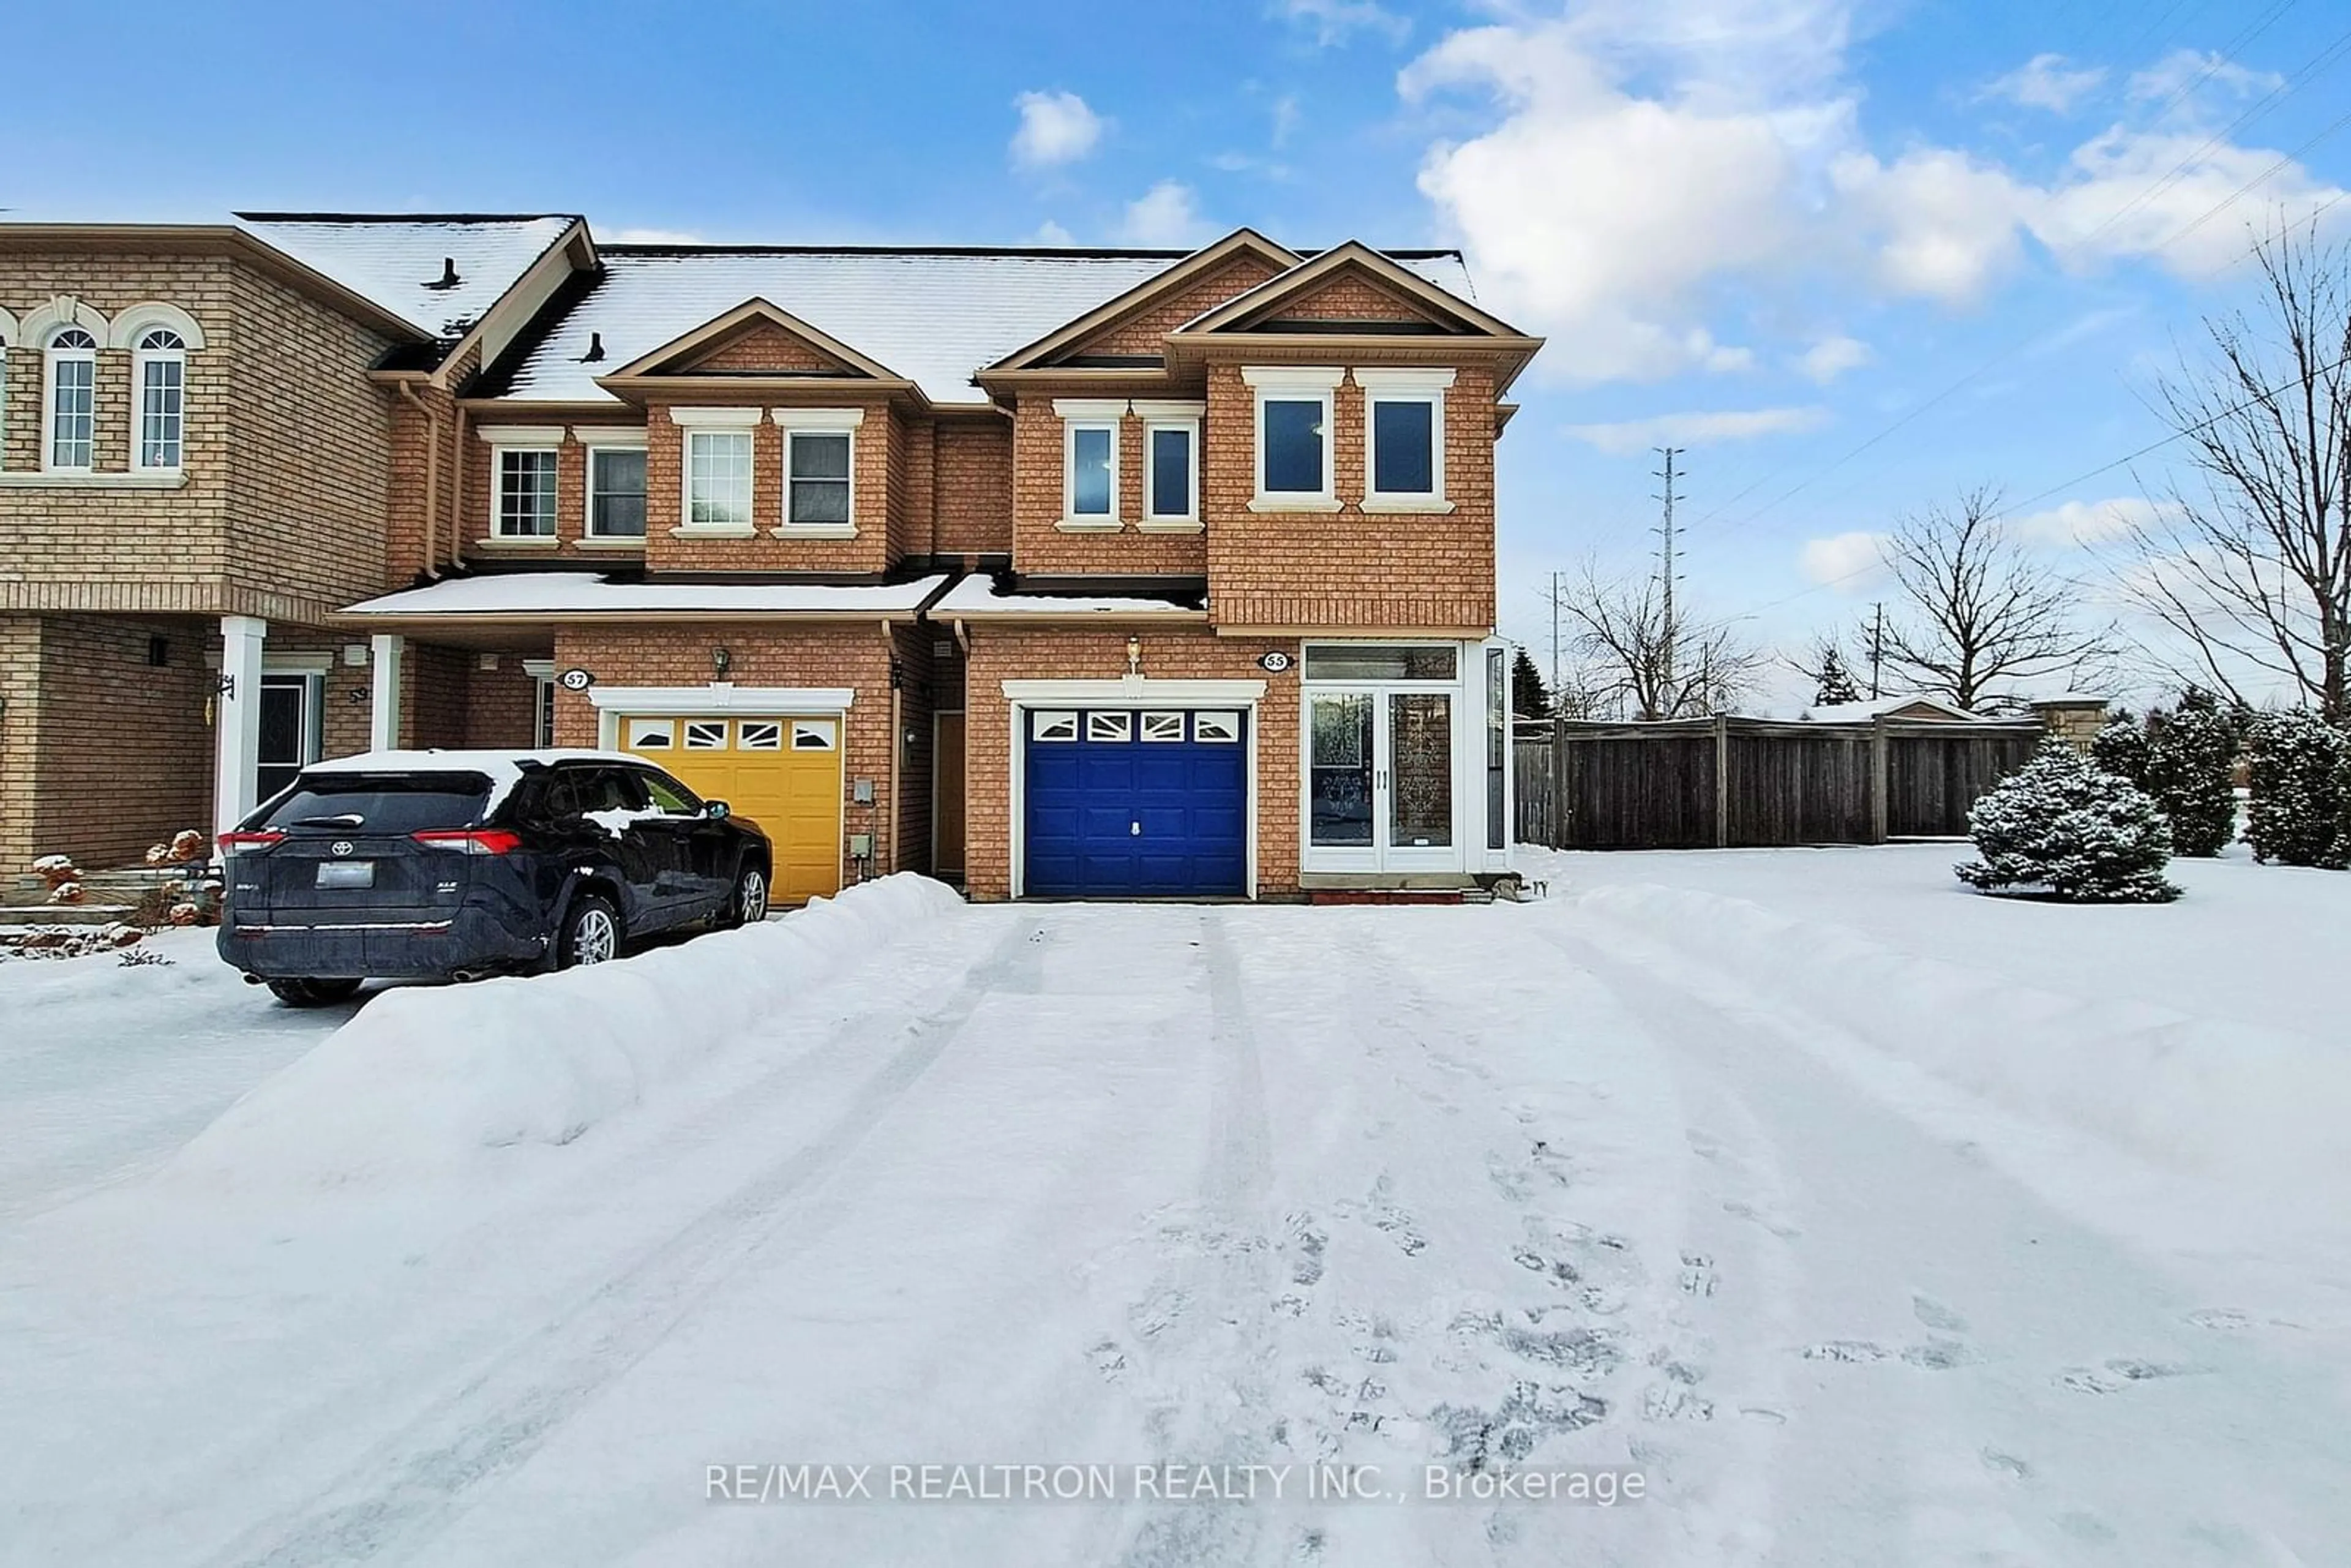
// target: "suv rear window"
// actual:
[[383, 803]]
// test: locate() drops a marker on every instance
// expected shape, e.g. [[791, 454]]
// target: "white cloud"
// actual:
[[1699, 429], [1056, 128], [2044, 82], [1849, 562], [2089, 522], [1286, 118], [1167, 214], [656, 237], [1335, 21], [1645, 162], [2193, 70], [1832, 357], [1050, 233]]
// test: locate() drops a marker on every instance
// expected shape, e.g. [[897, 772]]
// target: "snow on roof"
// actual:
[[977, 595], [396, 261], [1871, 707], [590, 593], [935, 317]]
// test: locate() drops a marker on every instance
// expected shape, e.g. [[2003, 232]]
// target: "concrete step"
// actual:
[[15, 915]]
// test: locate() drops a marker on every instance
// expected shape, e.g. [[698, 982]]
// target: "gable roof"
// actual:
[[398, 261], [935, 315], [1258, 303], [681, 350], [1241, 242]]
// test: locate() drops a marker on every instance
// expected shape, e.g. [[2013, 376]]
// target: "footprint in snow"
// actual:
[[2225, 1320], [1939, 1355], [2007, 1465], [1849, 1352], [1108, 1360], [1697, 1274], [1936, 1315], [1152, 1315], [1305, 1243], [2115, 1375], [1779, 1229]]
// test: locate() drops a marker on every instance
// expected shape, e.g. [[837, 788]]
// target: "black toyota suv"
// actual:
[[454, 864]]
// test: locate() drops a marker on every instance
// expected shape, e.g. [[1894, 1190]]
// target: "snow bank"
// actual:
[[2225, 1098], [426, 1078]]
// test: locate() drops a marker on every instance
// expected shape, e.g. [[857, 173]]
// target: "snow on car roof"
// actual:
[[978, 594], [591, 593], [935, 317], [398, 261]]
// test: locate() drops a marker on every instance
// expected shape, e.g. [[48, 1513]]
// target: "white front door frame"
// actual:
[[1122, 692], [237, 720], [1466, 695]]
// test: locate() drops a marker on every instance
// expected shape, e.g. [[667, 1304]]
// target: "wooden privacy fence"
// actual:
[[1706, 783]]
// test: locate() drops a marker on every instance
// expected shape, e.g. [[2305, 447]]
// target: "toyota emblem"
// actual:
[[341, 846]]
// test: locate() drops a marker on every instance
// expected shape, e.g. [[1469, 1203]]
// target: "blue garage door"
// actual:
[[1137, 804]]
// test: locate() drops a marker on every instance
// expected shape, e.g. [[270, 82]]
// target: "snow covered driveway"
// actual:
[[1545, 1187]]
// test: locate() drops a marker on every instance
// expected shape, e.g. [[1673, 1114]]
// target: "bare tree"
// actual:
[[1979, 611], [2250, 562], [1636, 660]]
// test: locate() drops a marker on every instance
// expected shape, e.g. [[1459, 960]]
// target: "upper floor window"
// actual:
[[819, 462], [1404, 438], [160, 371], [616, 492], [1170, 460], [718, 480], [1294, 436], [73, 399], [1089, 460], [526, 493]]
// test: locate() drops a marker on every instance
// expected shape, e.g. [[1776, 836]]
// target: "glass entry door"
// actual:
[[289, 731], [1379, 781]]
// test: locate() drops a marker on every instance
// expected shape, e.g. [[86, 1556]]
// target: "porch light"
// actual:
[[721, 661], [1134, 655]]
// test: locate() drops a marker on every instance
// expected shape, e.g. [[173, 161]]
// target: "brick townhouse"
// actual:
[[1059, 573]]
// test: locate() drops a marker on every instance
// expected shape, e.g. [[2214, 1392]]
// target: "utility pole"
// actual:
[[1876, 647], [1665, 568], [1554, 637]]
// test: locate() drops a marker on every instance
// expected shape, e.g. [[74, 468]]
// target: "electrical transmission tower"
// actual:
[[1667, 562]]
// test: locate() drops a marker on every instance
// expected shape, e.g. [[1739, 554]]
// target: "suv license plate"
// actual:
[[346, 873]]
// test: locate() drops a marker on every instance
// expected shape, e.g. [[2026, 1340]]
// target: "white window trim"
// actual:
[[503, 439], [687, 527], [1089, 413], [760, 702], [699, 418], [589, 447], [51, 358], [139, 359], [1415, 384], [135, 321], [1156, 417], [1296, 383], [799, 422]]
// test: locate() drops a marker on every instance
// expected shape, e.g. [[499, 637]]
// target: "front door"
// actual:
[[1380, 767], [290, 732], [946, 797]]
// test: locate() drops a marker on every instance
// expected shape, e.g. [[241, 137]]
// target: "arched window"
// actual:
[[73, 394], [159, 368]]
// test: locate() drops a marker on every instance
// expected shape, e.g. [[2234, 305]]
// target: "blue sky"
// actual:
[[1766, 229]]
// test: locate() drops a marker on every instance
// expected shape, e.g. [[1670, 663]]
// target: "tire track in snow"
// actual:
[[410, 1483]]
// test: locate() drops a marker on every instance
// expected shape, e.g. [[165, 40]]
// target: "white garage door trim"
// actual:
[[1129, 692], [615, 703]]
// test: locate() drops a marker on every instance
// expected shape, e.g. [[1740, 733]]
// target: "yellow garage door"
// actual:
[[783, 773]]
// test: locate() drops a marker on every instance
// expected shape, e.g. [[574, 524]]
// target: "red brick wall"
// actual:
[[1350, 297], [1350, 569], [857, 657], [973, 504], [768, 348], [1143, 333], [1040, 545], [999, 654], [763, 551]]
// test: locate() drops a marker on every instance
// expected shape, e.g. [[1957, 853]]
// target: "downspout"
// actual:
[[897, 728], [457, 485], [432, 479]]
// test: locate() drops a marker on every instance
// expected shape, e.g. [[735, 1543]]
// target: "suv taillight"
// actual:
[[237, 844], [469, 841]]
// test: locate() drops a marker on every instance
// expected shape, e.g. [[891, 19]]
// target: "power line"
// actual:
[[2108, 467]]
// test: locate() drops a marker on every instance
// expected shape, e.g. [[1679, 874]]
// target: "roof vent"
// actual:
[[449, 279], [595, 349]]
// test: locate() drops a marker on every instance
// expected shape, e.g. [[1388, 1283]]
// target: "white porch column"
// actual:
[[383, 685], [236, 722]]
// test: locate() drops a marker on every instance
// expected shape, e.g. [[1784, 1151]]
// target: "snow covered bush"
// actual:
[[2121, 748], [2066, 829], [2191, 764], [2300, 764]]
